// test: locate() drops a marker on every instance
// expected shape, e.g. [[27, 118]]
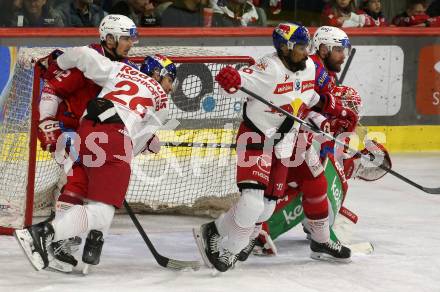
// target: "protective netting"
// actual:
[[182, 179]]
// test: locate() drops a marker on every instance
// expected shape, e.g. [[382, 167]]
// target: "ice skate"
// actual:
[[330, 251], [35, 241]]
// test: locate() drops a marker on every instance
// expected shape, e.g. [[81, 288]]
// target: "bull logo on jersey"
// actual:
[[264, 163], [283, 88]]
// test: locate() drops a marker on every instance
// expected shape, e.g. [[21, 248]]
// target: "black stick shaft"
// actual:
[[161, 260], [346, 67]]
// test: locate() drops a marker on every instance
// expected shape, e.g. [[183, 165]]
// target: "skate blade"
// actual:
[[326, 257], [59, 266], [26, 242], [201, 246]]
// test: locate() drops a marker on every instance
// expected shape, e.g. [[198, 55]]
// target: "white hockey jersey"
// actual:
[[270, 79], [139, 100]]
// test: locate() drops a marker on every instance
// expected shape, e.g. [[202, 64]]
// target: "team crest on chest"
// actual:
[[297, 84]]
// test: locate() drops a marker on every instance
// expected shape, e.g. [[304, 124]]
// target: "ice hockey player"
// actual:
[[330, 46], [286, 79], [121, 125], [64, 98]]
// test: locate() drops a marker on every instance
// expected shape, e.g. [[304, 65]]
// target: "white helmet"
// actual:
[[331, 37], [118, 25]]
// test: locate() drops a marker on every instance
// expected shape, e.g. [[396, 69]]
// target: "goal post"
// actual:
[[194, 173]]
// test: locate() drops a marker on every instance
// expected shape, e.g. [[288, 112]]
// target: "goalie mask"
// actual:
[[348, 97]]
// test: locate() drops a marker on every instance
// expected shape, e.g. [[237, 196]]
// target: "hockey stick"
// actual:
[[346, 67], [223, 145], [314, 128], [160, 259]]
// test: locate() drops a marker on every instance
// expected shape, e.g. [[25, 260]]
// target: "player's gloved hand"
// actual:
[[152, 145], [337, 126], [48, 65], [48, 132], [229, 79], [335, 109]]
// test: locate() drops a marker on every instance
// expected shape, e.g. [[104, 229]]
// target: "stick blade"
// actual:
[[432, 191], [183, 265]]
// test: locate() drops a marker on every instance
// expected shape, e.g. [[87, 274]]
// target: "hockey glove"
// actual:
[[335, 109], [229, 79], [48, 132], [152, 145], [337, 126], [371, 172], [48, 65]]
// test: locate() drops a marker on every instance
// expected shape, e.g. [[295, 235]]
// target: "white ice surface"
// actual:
[[401, 221]]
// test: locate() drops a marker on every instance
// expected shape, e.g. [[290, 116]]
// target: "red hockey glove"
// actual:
[[152, 145], [335, 109], [48, 65], [229, 79], [48, 132], [337, 126]]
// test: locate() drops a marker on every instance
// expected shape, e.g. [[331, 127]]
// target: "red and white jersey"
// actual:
[[138, 99], [270, 79]]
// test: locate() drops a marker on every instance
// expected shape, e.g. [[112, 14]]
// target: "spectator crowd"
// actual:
[[215, 13]]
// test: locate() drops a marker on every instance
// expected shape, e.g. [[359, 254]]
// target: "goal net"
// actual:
[[194, 173]]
